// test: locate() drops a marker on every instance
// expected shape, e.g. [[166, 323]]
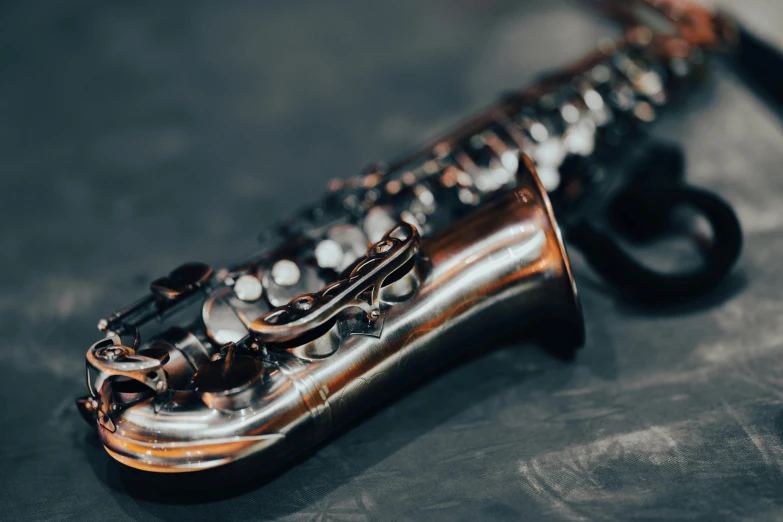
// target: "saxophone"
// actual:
[[393, 273]]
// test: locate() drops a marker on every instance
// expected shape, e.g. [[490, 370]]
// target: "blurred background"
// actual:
[[136, 136]]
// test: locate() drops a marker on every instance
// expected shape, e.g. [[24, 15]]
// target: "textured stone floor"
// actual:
[[135, 136]]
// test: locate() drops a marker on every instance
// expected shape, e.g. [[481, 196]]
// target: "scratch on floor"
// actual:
[[752, 434], [546, 496]]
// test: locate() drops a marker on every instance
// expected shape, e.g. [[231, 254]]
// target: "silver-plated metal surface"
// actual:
[[225, 317], [111, 359]]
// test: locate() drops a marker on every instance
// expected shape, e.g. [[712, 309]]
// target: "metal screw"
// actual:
[[304, 303], [384, 246]]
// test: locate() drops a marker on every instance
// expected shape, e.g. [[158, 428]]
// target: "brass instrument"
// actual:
[[393, 273]]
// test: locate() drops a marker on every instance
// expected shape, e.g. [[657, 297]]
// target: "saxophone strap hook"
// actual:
[[642, 284]]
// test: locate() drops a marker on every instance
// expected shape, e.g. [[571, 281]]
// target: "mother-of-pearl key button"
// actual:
[[329, 254], [285, 273], [248, 288]]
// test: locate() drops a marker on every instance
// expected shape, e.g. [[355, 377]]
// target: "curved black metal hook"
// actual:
[[652, 207]]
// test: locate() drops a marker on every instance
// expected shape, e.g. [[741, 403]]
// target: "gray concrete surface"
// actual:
[[135, 136]]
